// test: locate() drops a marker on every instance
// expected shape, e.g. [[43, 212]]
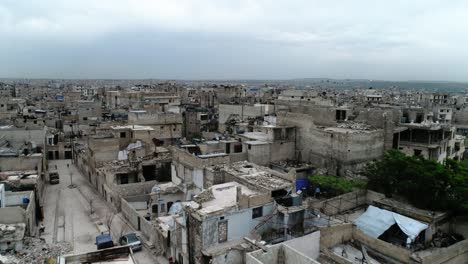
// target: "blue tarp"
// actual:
[[375, 221]]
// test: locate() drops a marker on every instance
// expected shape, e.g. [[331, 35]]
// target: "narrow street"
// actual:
[[68, 213]]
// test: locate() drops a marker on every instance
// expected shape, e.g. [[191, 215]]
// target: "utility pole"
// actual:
[[71, 186]]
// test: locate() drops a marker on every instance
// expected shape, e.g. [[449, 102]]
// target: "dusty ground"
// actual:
[[67, 213]]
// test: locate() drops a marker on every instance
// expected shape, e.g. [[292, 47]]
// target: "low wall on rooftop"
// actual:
[[21, 163], [395, 252], [454, 254], [335, 234], [347, 201]]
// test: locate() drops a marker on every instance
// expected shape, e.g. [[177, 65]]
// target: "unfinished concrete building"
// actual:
[[18, 208], [431, 141], [135, 175], [167, 126]]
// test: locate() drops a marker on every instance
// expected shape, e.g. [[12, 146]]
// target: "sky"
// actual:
[[235, 39]]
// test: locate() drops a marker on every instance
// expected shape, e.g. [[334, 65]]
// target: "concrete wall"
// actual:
[[454, 254], [335, 234], [291, 256], [104, 149], [154, 118], [320, 115], [259, 154], [233, 256], [341, 152], [139, 223], [131, 189], [240, 224], [12, 215], [21, 163], [390, 250], [129, 213], [308, 245], [19, 136], [342, 203]]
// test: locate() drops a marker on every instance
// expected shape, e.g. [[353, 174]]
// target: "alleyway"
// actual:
[[68, 213]]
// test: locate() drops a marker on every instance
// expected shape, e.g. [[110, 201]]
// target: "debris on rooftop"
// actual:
[[35, 250]]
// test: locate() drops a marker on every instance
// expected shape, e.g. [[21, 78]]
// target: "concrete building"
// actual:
[[431, 141], [167, 126], [225, 214], [18, 209], [230, 114], [133, 176]]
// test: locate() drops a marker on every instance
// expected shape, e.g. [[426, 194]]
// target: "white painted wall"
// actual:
[[198, 178]]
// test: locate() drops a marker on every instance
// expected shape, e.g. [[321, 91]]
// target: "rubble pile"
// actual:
[[35, 250], [204, 196], [7, 230], [355, 126], [442, 239], [262, 178]]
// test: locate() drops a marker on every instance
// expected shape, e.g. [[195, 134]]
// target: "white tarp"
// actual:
[[375, 221], [123, 154]]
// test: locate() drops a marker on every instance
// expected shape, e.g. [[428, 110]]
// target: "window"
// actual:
[[123, 134], [123, 178], [154, 209], [417, 152], [163, 208], [250, 146], [257, 212]]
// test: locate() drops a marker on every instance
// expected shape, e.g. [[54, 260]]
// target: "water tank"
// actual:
[[25, 200], [302, 184]]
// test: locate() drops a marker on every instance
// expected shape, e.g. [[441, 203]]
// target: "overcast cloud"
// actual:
[[237, 39]]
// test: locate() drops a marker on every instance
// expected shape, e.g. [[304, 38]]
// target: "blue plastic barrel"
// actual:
[[302, 184], [25, 200]]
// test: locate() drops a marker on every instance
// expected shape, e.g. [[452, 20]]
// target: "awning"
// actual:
[[375, 221]]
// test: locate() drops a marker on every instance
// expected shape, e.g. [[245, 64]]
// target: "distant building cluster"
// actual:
[[217, 173]]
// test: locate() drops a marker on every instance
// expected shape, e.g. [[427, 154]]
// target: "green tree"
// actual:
[[333, 185], [425, 183]]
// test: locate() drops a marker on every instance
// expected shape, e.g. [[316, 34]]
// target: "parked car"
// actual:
[[54, 178], [104, 241], [131, 240]]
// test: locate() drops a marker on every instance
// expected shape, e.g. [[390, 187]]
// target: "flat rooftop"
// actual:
[[255, 136], [133, 127], [257, 175], [223, 196]]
